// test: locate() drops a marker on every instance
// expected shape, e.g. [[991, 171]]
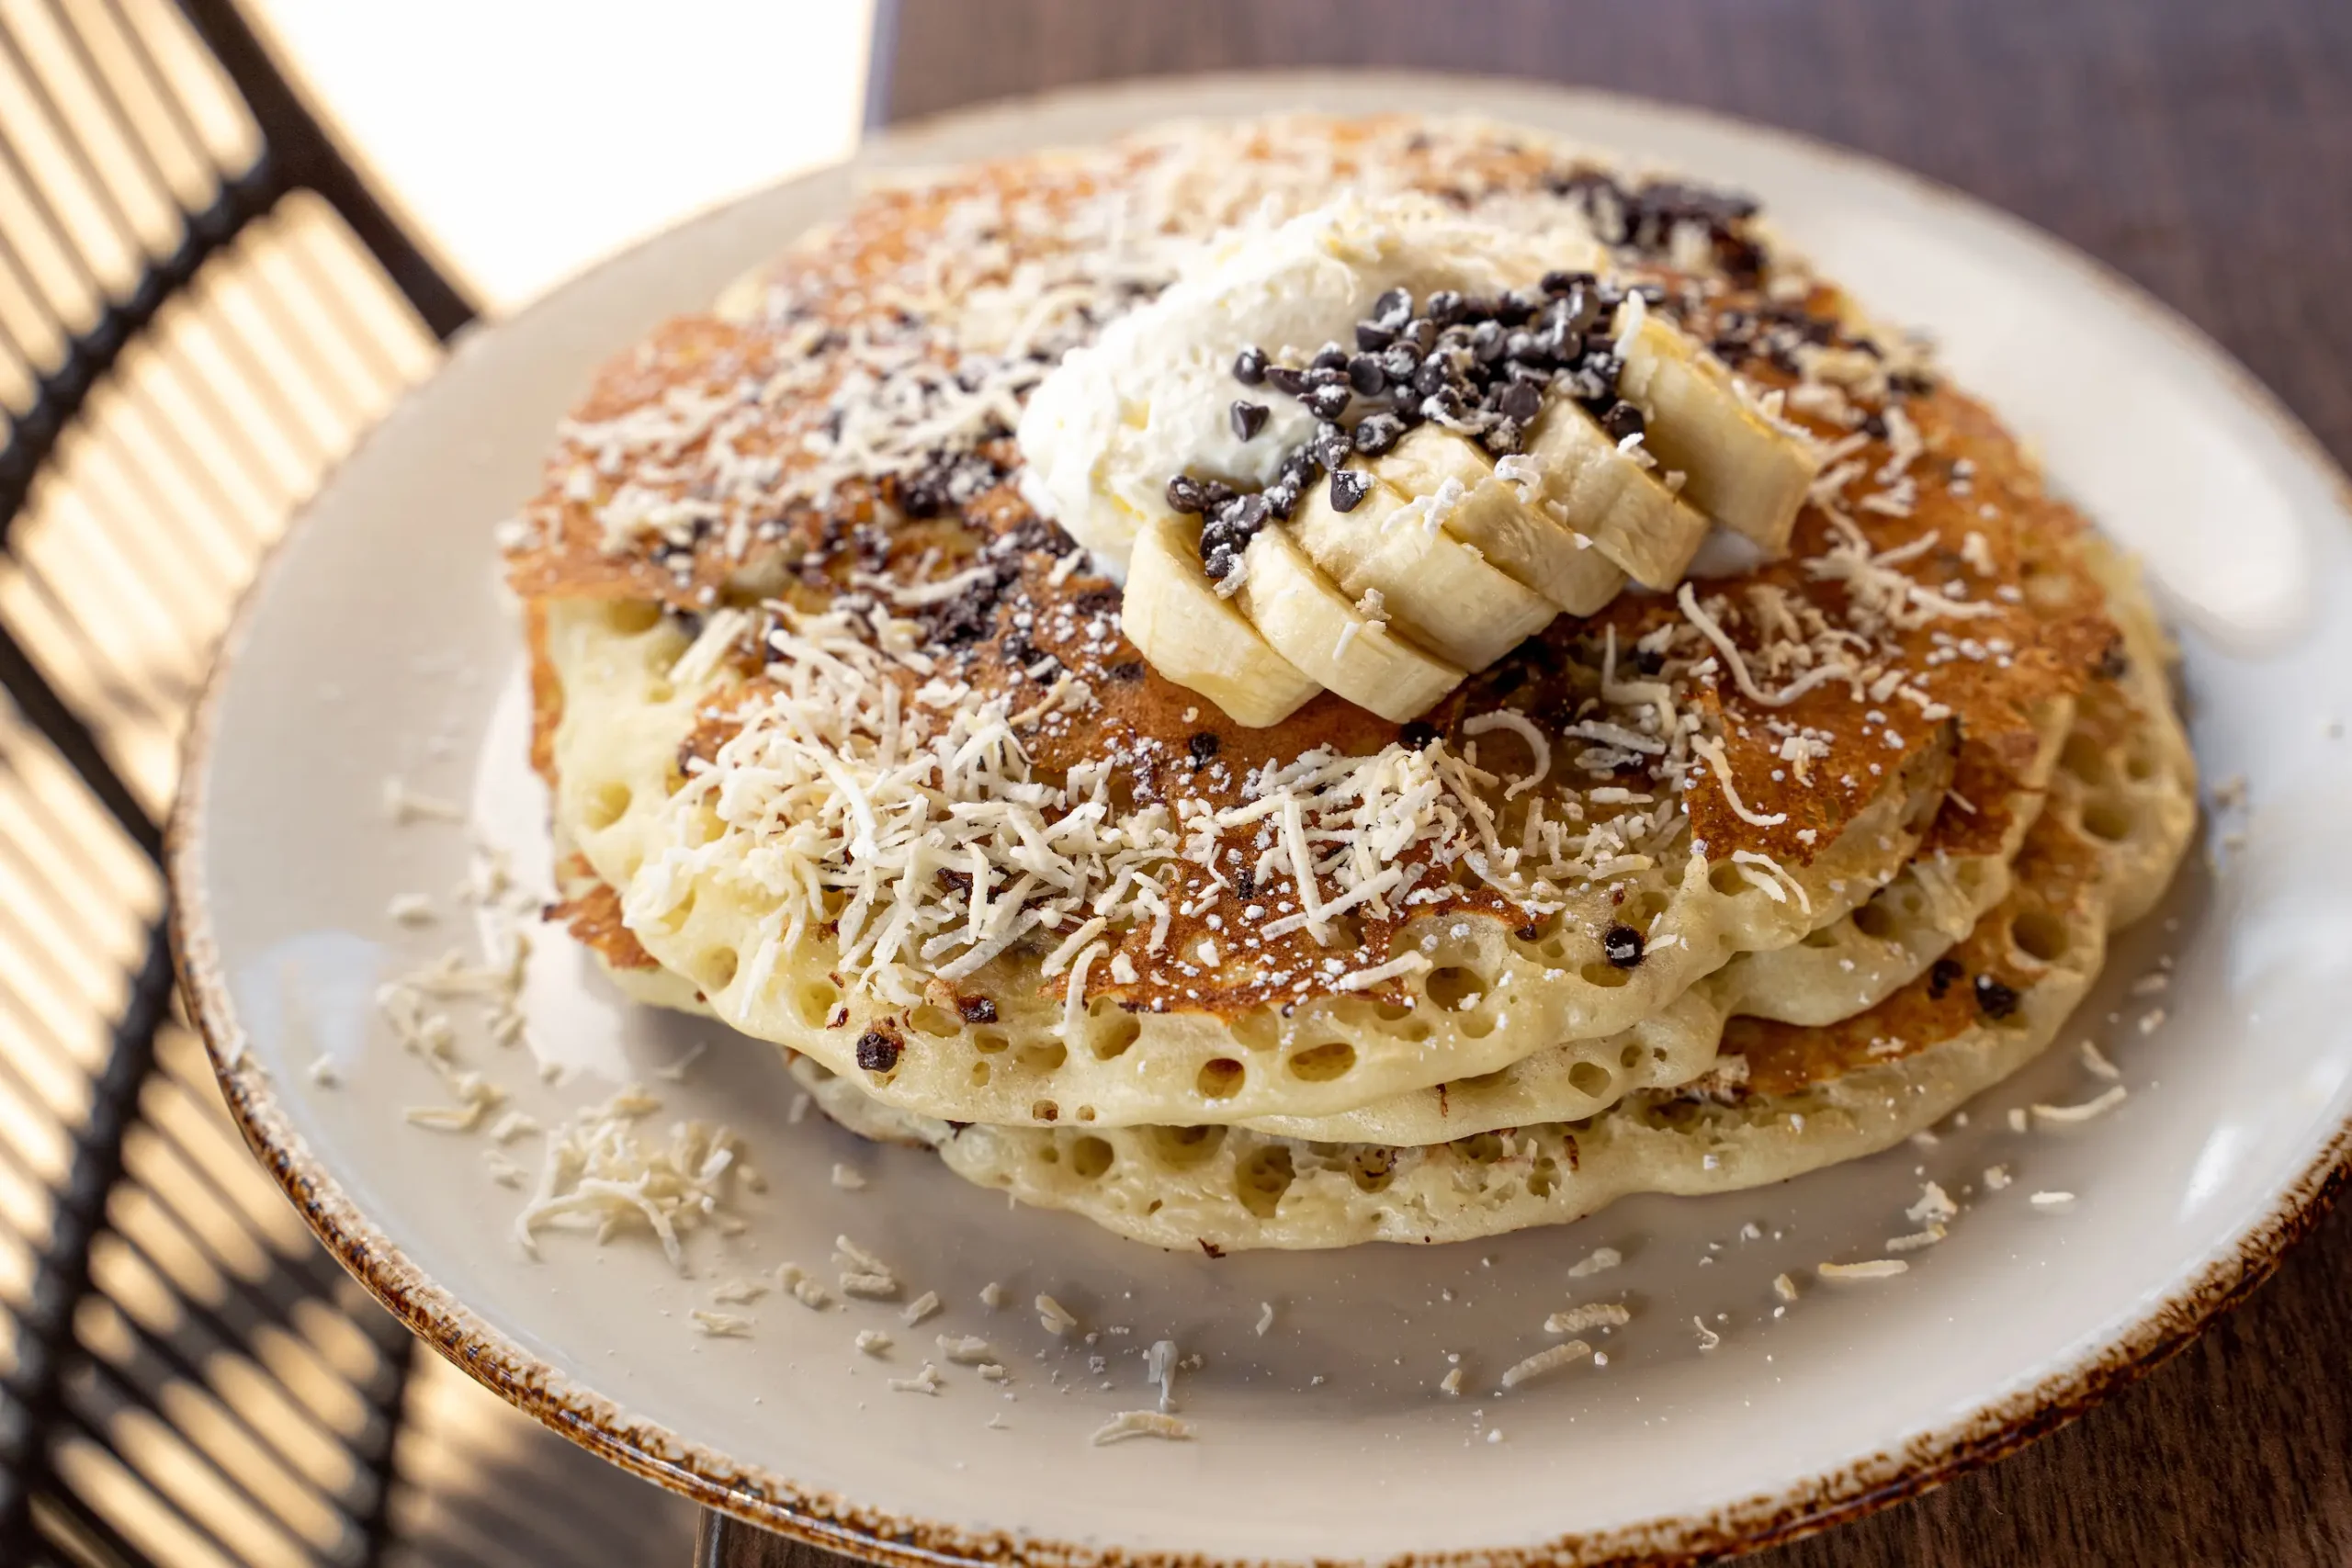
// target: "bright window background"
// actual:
[[527, 137]]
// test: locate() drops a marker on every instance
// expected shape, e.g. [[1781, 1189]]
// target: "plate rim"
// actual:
[[1802, 1506]]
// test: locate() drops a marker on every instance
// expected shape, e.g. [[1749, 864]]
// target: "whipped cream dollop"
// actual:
[[1152, 396]]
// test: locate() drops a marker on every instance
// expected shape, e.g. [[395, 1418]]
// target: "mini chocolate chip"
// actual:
[[1622, 945], [1622, 420], [1299, 467], [955, 881], [1282, 498], [1393, 309], [1249, 365], [1488, 342], [1331, 445], [1203, 746], [1330, 357], [1348, 487], [1248, 419], [1366, 377], [1941, 975], [1286, 380], [1248, 513], [1419, 734], [1376, 432], [1503, 437], [1398, 361], [1562, 282], [1528, 932], [976, 1009], [1649, 660], [1216, 494], [1445, 307], [1245, 881], [1419, 334], [1217, 564], [1327, 403], [1126, 670], [1874, 427], [1994, 999], [877, 1052], [2113, 663], [1521, 401], [1371, 337], [1184, 496]]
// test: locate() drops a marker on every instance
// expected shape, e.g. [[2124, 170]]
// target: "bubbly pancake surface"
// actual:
[[855, 735]]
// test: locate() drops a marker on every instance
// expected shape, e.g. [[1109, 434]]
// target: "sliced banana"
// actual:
[[1526, 542], [1312, 623], [1609, 496], [1440, 591], [1741, 469], [1173, 616]]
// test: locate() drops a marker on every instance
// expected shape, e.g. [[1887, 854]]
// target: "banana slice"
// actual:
[[1309, 621], [1440, 591], [1172, 615], [1742, 470], [1610, 497], [1528, 544]]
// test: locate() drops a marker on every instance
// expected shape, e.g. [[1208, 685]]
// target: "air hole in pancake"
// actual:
[[606, 805], [1554, 950], [1727, 880], [1607, 975], [632, 617], [2107, 819], [936, 1021], [1451, 987], [1090, 1158], [675, 920], [1049, 1153], [2039, 934], [1182, 1147], [1875, 921], [1257, 1030], [1044, 1111], [1415, 1031], [1825, 937], [1390, 1012], [1371, 1167], [1482, 1080], [1116, 1035], [1591, 1079], [1085, 1113], [1220, 1078], [813, 1004], [2139, 767], [1476, 1025], [2084, 758], [980, 1075], [1542, 1175], [1480, 1148], [1045, 1058], [990, 1040], [1321, 1063], [1262, 1180], [1630, 1057], [716, 968]]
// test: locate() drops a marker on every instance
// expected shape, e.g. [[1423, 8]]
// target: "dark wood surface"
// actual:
[[2203, 148]]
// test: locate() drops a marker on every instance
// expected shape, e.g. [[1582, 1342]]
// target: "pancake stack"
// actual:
[[1108, 868]]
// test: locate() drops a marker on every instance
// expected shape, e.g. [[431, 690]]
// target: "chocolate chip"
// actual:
[[1398, 361], [2113, 663], [1216, 494], [1488, 342], [1376, 432], [1521, 401], [1371, 337], [1248, 513], [1327, 403], [1365, 376], [1528, 932], [1124, 671], [1248, 419], [1874, 427], [1994, 999], [1503, 437], [1286, 380], [1330, 357], [1393, 309], [1184, 496], [1445, 307], [1622, 420], [1622, 945], [1348, 487], [1282, 498], [877, 1052], [1203, 746], [1563, 282], [1245, 881], [1249, 365], [1941, 976], [976, 1009], [1331, 444], [1420, 333], [1419, 734], [1649, 660]]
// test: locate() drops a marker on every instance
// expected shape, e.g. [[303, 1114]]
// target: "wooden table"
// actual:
[[2204, 148]]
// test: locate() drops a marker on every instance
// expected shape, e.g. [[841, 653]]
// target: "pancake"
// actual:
[[1787, 1098], [907, 705]]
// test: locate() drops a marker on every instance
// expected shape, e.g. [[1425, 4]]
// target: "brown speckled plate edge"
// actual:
[[776, 1503]]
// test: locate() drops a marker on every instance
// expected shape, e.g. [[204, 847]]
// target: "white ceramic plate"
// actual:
[[378, 645]]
